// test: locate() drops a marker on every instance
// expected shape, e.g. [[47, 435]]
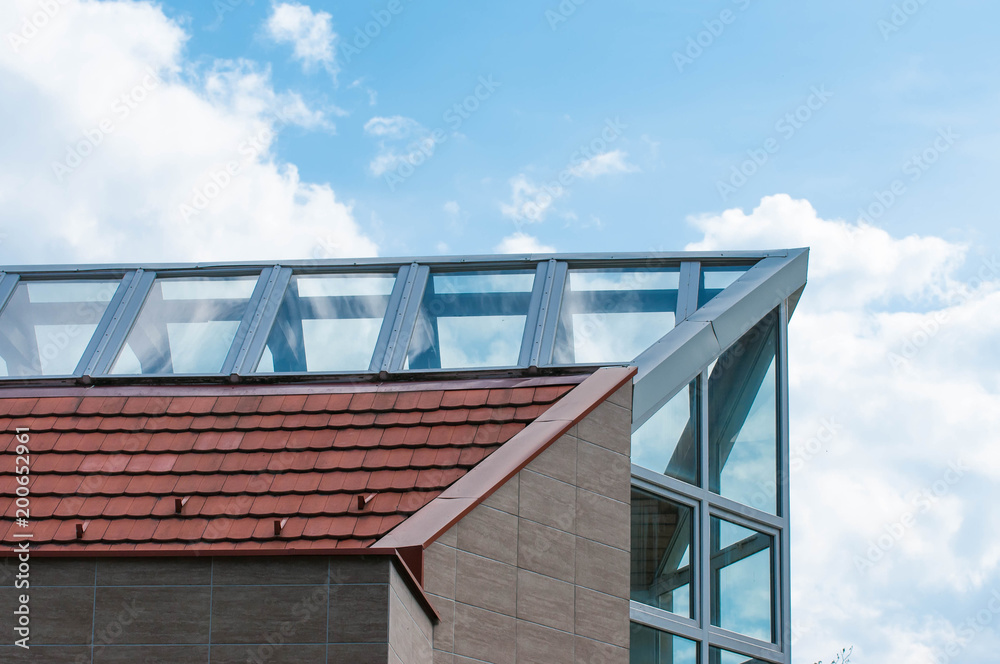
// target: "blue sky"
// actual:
[[687, 126], [228, 130]]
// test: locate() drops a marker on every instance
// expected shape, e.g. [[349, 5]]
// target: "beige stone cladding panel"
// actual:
[[539, 571], [410, 629]]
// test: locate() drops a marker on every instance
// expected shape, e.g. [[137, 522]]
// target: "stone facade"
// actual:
[[277, 610], [540, 571]]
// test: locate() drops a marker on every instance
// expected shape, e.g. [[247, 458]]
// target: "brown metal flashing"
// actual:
[[435, 518]]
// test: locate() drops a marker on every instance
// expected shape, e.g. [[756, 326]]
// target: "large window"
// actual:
[[471, 319], [707, 551], [46, 326], [327, 323], [742, 420], [742, 580], [720, 656], [668, 441], [662, 549], [612, 315], [186, 326], [651, 646]]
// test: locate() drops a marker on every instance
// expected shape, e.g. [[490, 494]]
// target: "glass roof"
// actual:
[[349, 316]]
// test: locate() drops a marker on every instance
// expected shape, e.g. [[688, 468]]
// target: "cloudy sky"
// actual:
[[866, 129]]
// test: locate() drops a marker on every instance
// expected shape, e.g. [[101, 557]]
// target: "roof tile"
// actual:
[[361, 401], [242, 460]]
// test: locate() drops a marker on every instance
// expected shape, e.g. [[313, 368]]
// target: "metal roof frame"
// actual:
[[699, 335]]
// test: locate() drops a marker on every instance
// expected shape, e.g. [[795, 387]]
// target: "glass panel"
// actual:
[[613, 315], [185, 326], [720, 656], [662, 541], [327, 323], [471, 319], [742, 420], [715, 279], [46, 326], [651, 646], [668, 441], [742, 583]]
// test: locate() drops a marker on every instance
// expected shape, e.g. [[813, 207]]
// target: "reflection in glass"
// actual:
[[471, 319], [46, 326], [662, 541], [668, 441], [742, 420], [186, 326], [651, 646], [613, 315], [715, 279], [327, 323], [742, 583], [720, 656]]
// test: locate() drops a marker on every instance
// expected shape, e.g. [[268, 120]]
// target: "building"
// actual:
[[570, 458]]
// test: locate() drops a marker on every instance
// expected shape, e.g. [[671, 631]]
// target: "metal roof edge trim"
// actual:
[[396, 261], [431, 521]]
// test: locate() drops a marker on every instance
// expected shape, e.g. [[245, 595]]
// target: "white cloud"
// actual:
[[392, 151], [521, 243], [530, 202], [893, 386], [396, 126], [606, 163], [113, 131], [452, 208], [310, 34]]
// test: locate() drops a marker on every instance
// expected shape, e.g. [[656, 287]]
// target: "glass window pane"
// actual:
[[662, 541], [742, 420], [720, 656], [715, 279], [651, 646], [742, 582], [668, 441], [185, 326], [327, 323], [613, 315], [471, 319], [46, 326]]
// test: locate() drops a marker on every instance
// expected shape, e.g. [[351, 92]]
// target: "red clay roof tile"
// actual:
[[361, 402], [240, 461]]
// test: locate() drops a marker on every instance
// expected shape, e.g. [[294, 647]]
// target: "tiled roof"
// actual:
[[254, 468]]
